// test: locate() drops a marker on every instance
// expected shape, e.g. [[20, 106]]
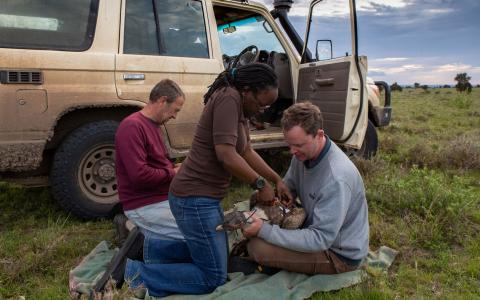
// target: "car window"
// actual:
[[48, 24], [165, 27], [236, 36], [330, 32]]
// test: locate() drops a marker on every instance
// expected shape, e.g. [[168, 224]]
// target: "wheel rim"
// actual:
[[97, 174]]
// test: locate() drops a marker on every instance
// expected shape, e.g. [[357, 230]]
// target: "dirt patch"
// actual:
[[20, 157]]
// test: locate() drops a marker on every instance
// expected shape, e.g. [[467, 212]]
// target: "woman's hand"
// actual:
[[266, 195], [283, 193]]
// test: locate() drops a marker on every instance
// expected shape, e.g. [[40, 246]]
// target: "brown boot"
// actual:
[[120, 222]]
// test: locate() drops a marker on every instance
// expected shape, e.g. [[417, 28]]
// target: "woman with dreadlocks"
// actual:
[[220, 148]]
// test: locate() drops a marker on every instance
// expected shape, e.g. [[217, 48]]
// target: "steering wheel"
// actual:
[[248, 55]]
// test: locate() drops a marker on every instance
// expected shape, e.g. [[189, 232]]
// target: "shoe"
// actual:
[[132, 248], [247, 267], [120, 221], [239, 264], [267, 270], [136, 250]]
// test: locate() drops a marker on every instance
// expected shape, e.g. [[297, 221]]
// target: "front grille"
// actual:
[[16, 76]]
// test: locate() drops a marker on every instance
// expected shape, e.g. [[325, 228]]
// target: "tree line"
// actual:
[[462, 79]]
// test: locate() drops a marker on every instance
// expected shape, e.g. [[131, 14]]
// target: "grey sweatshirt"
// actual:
[[332, 192]]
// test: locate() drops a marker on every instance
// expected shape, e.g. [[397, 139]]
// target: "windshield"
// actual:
[[237, 35]]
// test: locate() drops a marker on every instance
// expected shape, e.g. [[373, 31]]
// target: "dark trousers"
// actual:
[[324, 262]]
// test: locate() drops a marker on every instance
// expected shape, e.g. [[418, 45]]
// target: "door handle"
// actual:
[[136, 76], [325, 82]]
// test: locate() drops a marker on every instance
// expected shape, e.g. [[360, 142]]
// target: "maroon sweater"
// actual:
[[144, 171]]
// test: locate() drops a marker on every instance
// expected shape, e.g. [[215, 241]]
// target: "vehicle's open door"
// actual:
[[331, 74]]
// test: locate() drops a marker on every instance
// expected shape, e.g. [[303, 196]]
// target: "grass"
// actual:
[[423, 190]]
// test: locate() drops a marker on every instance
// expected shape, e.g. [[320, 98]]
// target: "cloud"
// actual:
[[406, 69], [426, 70], [397, 69], [453, 68], [378, 7], [411, 41], [376, 73], [339, 8], [388, 59], [409, 15], [438, 11]]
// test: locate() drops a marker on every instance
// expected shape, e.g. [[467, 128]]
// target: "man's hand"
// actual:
[[283, 193], [251, 229], [266, 195]]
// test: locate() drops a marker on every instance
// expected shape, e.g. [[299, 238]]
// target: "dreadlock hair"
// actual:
[[255, 77]]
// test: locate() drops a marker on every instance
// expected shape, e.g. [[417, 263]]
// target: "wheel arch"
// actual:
[[371, 114], [75, 117]]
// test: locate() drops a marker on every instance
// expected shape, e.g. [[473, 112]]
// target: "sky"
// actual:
[[408, 41]]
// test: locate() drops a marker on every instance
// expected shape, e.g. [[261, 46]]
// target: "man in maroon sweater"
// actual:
[[144, 171]]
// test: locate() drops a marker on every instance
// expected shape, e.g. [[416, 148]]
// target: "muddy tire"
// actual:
[[370, 142], [83, 171]]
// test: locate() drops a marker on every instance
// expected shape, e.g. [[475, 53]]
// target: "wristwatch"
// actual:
[[258, 184]]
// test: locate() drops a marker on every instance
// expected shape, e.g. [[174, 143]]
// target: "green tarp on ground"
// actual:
[[83, 277], [283, 285], [287, 285]]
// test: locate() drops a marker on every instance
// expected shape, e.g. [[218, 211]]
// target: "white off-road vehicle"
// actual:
[[70, 71]]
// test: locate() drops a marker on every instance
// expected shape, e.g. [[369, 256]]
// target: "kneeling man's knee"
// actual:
[[258, 249]]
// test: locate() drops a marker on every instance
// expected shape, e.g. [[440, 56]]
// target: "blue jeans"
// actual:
[[196, 267], [164, 251]]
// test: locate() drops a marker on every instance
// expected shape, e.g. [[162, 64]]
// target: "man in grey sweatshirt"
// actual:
[[334, 237]]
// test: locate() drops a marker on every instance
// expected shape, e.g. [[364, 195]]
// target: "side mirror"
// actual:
[[324, 50], [229, 29]]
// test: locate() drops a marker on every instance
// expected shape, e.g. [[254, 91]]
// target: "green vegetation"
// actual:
[[463, 83], [396, 87], [423, 190]]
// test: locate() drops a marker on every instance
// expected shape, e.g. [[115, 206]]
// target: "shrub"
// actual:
[[462, 153], [390, 144], [463, 101], [436, 205], [369, 167], [421, 155], [396, 87], [463, 83]]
